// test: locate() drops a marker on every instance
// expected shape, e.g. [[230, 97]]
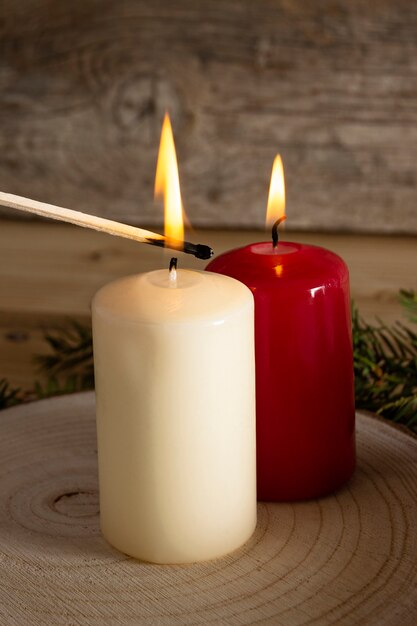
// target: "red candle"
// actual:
[[304, 366]]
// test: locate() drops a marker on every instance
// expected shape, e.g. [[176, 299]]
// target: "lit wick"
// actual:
[[275, 231], [173, 272]]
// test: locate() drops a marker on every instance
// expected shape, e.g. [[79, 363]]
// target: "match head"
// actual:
[[203, 252]]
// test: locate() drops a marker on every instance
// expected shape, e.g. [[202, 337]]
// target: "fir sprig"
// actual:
[[70, 358], [408, 300], [9, 396], [54, 386], [385, 364]]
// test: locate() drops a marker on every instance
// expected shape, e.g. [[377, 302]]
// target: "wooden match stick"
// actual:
[[102, 224]]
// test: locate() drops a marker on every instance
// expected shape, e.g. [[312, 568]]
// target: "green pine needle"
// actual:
[[71, 353], [408, 300], [9, 396], [385, 364], [55, 386]]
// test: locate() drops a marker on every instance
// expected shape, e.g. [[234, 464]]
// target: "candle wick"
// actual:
[[275, 230], [173, 272]]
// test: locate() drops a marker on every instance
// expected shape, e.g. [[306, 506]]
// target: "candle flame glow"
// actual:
[[167, 183], [276, 196]]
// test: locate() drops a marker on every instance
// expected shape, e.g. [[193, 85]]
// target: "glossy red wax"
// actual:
[[304, 366]]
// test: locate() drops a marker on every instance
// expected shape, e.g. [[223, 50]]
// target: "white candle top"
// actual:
[[155, 298]]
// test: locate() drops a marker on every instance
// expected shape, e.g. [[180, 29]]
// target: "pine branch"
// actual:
[[408, 300], [385, 364], [69, 366], [9, 396], [57, 387]]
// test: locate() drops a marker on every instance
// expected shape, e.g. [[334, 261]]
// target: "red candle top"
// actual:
[[313, 266]]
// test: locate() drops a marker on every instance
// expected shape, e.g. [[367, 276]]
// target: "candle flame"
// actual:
[[167, 183], [276, 196]]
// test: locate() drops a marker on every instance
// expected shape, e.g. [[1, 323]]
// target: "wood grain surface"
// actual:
[[348, 559], [49, 273], [330, 84]]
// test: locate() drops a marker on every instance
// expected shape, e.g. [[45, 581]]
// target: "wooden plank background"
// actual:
[[330, 84], [49, 273]]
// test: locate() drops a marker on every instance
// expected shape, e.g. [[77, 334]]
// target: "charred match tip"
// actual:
[[199, 250]]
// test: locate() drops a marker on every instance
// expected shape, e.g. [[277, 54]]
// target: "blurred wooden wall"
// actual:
[[332, 85]]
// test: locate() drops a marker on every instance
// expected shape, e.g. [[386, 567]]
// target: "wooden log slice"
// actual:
[[349, 558]]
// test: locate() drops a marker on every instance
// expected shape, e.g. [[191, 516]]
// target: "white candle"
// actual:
[[174, 366]]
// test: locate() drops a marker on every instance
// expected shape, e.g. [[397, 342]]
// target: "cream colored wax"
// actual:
[[174, 367]]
